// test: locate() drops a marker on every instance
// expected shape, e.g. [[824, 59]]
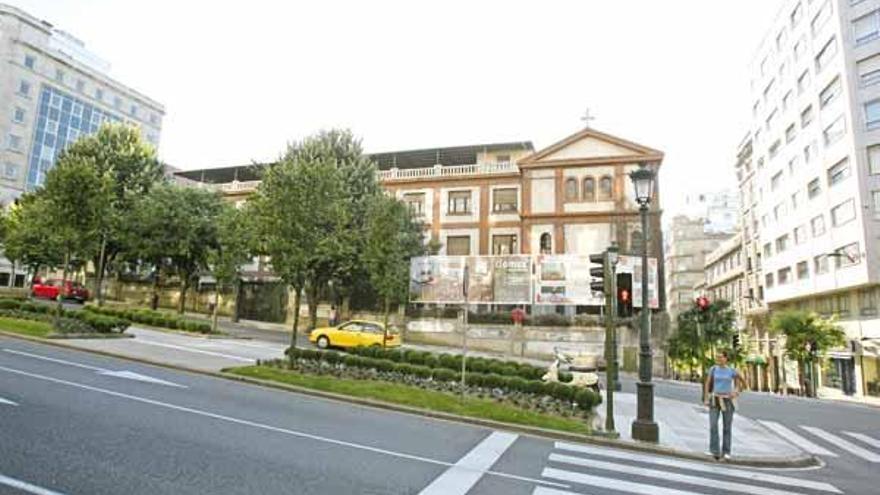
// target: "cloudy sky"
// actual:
[[240, 79]]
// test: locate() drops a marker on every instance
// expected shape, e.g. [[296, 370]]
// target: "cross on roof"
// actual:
[[587, 117]]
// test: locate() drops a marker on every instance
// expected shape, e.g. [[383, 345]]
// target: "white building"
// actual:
[[719, 210], [816, 154]]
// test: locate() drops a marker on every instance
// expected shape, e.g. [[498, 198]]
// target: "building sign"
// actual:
[[519, 279]]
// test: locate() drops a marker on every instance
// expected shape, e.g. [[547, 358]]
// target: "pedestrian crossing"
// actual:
[[820, 442], [591, 469]]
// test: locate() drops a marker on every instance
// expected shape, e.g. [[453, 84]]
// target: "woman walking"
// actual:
[[722, 386]]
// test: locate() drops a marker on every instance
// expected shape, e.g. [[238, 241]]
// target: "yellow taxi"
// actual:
[[354, 333]]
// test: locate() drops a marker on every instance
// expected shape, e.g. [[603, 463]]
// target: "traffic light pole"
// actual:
[[610, 341]]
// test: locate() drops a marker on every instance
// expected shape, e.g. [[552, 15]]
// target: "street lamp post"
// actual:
[[644, 427]]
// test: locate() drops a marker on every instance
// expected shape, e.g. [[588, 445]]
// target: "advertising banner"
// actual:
[[491, 279], [633, 265], [437, 279], [563, 280]]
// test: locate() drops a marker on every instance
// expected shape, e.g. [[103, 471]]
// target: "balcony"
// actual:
[[440, 171], [234, 186]]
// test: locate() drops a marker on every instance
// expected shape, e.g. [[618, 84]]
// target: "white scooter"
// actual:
[[582, 368]]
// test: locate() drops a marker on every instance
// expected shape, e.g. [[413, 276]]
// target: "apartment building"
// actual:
[[812, 181], [53, 90], [572, 197]]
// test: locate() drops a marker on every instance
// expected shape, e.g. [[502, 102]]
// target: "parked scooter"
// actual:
[[584, 373]]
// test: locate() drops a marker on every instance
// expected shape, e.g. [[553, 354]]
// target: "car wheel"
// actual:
[[323, 342]]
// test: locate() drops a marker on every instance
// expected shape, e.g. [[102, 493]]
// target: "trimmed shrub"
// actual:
[[551, 320], [71, 325], [28, 307], [445, 375], [10, 304]]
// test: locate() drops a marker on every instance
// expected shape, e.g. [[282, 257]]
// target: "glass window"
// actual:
[[504, 244], [546, 243], [605, 188], [834, 131], [784, 276], [786, 100], [820, 264], [29, 61], [867, 27], [133, 111], [99, 94], [571, 189], [830, 92], [768, 250], [817, 224], [874, 159], [589, 189], [875, 203], [839, 172], [504, 200], [807, 116], [459, 202], [803, 270], [868, 300], [775, 181], [498, 158], [796, 14], [59, 75], [18, 115], [10, 171], [800, 234], [848, 255], [821, 17], [13, 142], [809, 151], [803, 81], [24, 88], [790, 133], [795, 200], [154, 119], [80, 85], [458, 245], [768, 280], [782, 243], [841, 304], [869, 70], [415, 202], [826, 54], [117, 102], [843, 213], [872, 114]]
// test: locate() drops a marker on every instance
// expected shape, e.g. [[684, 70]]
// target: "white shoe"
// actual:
[[726, 457]]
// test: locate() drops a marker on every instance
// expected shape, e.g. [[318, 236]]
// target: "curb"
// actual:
[[599, 438]]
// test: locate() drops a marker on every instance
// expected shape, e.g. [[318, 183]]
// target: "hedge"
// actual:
[[70, 321], [154, 318], [585, 398]]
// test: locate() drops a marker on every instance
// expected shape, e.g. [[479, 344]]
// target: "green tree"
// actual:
[[76, 199], [117, 151], [806, 334], [392, 239], [236, 243], [700, 332], [174, 227], [299, 216], [28, 235]]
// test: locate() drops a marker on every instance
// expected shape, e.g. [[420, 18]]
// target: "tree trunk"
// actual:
[[12, 279], [184, 286], [216, 312], [345, 311], [385, 330], [60, 307], [236, 309], [99, 288], [293, 335], [154, 302], [313, 306]]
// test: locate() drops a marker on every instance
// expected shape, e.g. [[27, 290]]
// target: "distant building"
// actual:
[[719, 210], [53, 90]]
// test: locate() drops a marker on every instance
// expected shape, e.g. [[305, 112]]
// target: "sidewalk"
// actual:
[[685, 426]]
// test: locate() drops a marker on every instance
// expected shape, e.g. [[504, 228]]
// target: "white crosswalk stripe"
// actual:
[[843, 444], [796, 439], [604, 468], [864, 438]]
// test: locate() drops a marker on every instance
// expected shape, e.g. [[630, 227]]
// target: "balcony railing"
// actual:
[[234, 186], [448, 171]]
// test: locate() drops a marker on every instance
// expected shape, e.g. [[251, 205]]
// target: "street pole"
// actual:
[[610, 340], [644, 427], [466, 280]]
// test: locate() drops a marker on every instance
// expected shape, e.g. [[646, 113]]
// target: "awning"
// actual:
[[870, 347]]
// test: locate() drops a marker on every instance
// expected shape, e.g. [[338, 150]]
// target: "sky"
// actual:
[[239, 80]]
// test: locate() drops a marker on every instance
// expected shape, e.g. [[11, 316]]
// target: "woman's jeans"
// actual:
[[727, 423]]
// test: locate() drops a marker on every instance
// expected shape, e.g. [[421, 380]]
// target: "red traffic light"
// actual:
[[702, 302], [624, 295]]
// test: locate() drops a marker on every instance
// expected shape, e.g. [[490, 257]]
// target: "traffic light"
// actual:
[[736, 342], [597, 274], [624, 295]]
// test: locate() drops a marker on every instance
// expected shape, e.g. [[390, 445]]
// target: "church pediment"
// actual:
[[590, 146]]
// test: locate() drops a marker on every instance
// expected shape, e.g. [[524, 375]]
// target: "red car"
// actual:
[[51, 289]]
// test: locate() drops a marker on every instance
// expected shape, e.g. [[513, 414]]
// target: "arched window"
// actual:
[[589, 189], [546, 243], [605, 187], [635, 243], [571, 189]]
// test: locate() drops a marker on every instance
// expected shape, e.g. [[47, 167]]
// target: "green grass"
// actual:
[[416, 397], [26, 327]]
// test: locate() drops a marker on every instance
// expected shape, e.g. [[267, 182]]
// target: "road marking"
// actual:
[[667, 475], [25, 487], [796, 439], [261, 426], [7, 402], [697, 466], [844, 444], [613, 483], [128, 375], [540, 490], [865, 438], [462, 476], [199, 351]]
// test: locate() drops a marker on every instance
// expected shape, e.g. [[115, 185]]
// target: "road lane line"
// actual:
[[844, 444], [613, 483], [464, 474], [55, 360], [540, 490], [261, 426], [698, 466], [7, 402], [25, 487], [796, 439], [667, 475], [865, 438], [199, 351]]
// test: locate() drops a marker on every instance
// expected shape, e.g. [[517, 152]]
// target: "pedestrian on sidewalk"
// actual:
[[722, 386], [333, 317]]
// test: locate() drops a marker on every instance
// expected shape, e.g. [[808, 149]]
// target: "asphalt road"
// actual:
[[74, 422]]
